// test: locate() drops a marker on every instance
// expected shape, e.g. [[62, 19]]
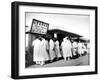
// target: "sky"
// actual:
[[74, 23]]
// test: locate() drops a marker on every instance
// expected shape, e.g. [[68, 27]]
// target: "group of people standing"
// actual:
[[44, 50]]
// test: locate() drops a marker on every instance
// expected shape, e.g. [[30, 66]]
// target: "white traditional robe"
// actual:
[[69, 48], [80, 48], [83, 48], [66, 48], [57, 49], [36, 50], [74, 45], [51, 49], [44, 47], [88, 48]]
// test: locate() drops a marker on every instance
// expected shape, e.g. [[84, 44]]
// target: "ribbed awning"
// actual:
[[66, 33]]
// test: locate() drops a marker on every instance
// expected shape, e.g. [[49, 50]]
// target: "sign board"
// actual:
[[39, 27]]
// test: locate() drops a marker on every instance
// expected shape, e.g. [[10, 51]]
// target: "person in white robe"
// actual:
[[57, 49], [74, 46], [47, 50], [43, 51], [66, 48], [36, 51], [88, 48], [69, 49], [80, 47], [84, 50], [51, 50]]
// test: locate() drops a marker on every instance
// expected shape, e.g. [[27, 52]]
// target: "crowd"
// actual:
[[44, 50]]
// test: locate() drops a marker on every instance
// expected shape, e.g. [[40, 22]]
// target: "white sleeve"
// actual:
[[33, 43]]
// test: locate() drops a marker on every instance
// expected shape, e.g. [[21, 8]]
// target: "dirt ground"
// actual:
[[82, 60]]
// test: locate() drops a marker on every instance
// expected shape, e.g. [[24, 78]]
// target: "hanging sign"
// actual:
[[39, 27]]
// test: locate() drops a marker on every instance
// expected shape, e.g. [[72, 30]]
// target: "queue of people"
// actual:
[[44, 50]]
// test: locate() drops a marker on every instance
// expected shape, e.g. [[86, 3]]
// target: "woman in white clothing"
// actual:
[[66, 48], [83, 48], [88, 47], [36, 50], [51, 50], [57, 49], [43, 51], [80, 46], [74, 46]]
